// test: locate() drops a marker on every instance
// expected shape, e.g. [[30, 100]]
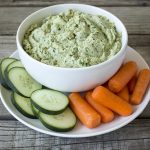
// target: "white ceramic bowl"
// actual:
[[70, 79]]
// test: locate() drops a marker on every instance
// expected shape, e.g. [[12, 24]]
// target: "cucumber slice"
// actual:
[[3, 65], [65, 121], [21, 82], [23, 105], [0, 72], [35, 111], [16, 63], [49, 101]]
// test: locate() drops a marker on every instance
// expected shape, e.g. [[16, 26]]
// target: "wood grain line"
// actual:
[[34, 3]]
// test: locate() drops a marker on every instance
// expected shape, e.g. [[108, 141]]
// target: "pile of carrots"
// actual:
[[114, 97]]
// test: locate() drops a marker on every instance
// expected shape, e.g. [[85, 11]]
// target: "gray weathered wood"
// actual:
[[91, 2], [4, 114], [135, 136], [139, 40], [7, 45], [15, 135], [136, 19]]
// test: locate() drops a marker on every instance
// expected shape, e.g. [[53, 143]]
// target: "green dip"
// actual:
[[72, 39]]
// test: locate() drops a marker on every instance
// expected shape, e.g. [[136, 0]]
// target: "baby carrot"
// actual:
[[122, 77], [124, 93], [141, 86], [106, 114], [86, 114], [131, 84], [112, 101]]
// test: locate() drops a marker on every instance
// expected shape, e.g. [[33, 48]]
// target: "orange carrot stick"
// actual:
[[86, 114], [141, 86], [124, 93], [112, 101], [131, 84], [122, 77], [106, 114]]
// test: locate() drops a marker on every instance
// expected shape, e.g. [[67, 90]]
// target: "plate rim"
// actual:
[[62, 134]]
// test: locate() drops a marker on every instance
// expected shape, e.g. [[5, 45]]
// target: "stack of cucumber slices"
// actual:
[[34, 101]]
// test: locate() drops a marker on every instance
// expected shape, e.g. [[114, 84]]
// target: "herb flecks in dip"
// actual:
[[72, 39]]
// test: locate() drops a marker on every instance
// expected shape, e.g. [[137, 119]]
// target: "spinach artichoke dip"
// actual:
[[72, 39]]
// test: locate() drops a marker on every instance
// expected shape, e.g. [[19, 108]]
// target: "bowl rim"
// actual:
[[123, 47]]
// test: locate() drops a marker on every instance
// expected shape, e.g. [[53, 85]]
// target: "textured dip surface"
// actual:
[[72, 39]]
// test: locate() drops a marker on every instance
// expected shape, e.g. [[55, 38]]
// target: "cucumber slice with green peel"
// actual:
[[49, 101], [0, 72], [3, 65], [21, 82], [23, 105], [63, 122], [35, 111], [16, 63]]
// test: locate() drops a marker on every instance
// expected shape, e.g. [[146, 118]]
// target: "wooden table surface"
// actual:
[[135, 14]]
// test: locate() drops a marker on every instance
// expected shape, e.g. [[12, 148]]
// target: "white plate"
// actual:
[[80, 130]]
